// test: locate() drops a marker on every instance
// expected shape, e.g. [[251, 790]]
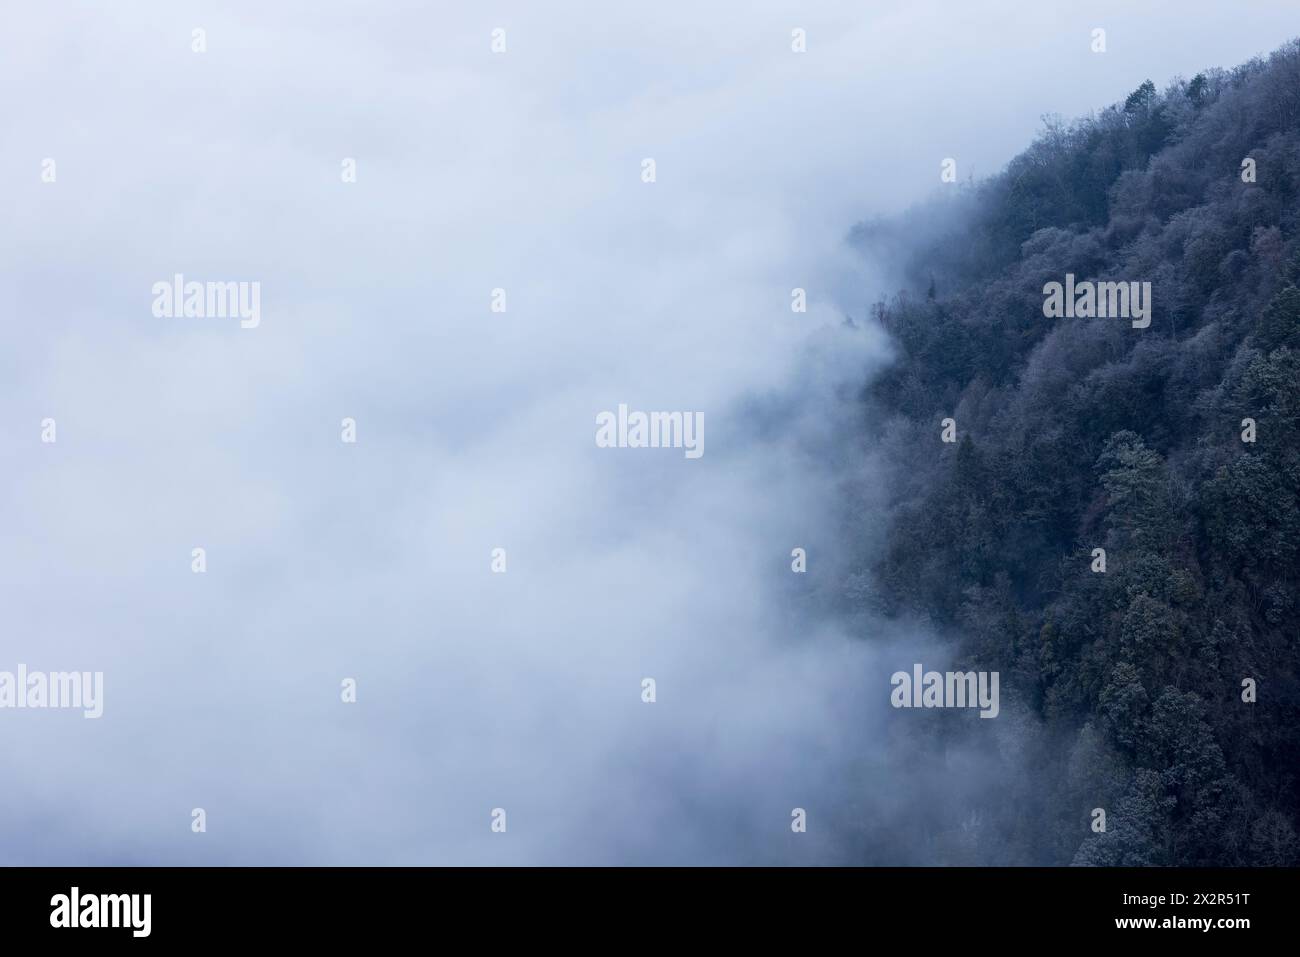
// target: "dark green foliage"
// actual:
[[1077, 434]]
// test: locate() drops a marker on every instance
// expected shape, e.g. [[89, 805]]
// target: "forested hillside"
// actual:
[[1076, 434]]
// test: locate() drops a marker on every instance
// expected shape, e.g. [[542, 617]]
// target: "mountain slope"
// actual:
[[1076, 434]]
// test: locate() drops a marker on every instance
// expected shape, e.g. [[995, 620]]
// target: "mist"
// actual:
[[477, 171]]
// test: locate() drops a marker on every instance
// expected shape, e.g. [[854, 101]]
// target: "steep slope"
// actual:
[[1076, 434]]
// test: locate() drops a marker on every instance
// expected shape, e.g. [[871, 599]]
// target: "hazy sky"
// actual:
[[475, 430]]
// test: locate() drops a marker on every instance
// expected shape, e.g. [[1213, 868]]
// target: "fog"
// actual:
[[326, 560]]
